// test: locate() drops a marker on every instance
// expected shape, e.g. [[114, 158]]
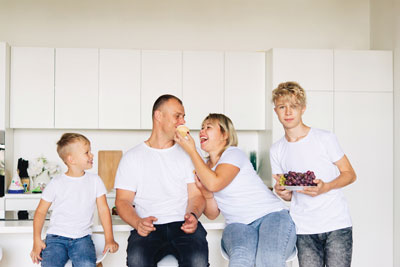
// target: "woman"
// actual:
[[259, 229]]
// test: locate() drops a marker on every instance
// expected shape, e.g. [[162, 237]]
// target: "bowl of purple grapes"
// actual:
[[297, 180]]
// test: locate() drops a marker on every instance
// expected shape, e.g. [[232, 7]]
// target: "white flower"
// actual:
[[41, 165]]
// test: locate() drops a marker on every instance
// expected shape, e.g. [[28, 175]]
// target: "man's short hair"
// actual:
[[287, 90], [67, 139], [161, 100]]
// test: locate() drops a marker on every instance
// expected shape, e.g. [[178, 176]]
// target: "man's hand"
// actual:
[[314, 191], [38, 246], [145, 225], [190, 224], [281, 190]]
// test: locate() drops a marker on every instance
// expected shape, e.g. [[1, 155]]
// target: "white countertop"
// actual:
[[20, 226]]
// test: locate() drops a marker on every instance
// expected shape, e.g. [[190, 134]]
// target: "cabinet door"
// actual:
[[119, 89], [245, 89], [363, 71], [311, 68], [364, 127], [77, 85], [32, 87], [203, 86], [4, 82], [161, 74]]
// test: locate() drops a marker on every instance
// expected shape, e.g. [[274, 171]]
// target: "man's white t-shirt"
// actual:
[[73, 202], [246, 198], [159, 177], [317, 152]]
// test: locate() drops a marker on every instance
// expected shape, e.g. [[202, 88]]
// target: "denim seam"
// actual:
[[287, 239]]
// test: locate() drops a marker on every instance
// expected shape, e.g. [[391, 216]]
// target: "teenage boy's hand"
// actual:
[[280, 190], [314, 191], [145, 225], [112, 246], [38, 246], [190, 224]]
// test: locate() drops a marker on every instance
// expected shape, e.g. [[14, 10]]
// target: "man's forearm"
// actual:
[[127, 213], [196, 205]]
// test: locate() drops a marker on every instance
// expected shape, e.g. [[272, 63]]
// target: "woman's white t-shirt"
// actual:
[[317, 152], [73, 203], [246, 198]]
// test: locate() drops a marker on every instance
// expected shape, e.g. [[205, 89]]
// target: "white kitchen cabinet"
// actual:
[[76, 88], [4, 84], [364, 127], [32, 87], [119, 89], [161, 74], [311, 68], [363, 71], [318, 114], [203, 86], [245, 89]]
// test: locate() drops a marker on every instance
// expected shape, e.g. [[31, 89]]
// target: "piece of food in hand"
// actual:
[[297, 179], [183, 130]]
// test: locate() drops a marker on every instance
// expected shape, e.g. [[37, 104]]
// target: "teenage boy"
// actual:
[[321, 215], [74, 196], [157, 195]]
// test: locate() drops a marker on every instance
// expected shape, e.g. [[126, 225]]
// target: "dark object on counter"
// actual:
[[114, 211], [23, 168], [2, 186], [23, 215]]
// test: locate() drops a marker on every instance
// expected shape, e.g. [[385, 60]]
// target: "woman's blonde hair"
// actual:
[[288, 89], [226, 126]]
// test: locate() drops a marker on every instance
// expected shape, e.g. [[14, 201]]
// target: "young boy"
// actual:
[[74, 196], [321, 215]]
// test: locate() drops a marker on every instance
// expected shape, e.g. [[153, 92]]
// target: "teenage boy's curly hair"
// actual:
[[288, 89], [67, 139]]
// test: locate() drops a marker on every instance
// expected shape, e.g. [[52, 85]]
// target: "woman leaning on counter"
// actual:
[[259, 228]]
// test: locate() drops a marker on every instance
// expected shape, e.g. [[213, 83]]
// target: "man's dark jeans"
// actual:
[[191, 250]]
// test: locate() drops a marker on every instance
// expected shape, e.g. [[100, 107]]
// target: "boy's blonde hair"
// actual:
[[288, 89], [67, 139], [226, 126]]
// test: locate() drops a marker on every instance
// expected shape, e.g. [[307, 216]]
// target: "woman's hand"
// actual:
[[204, 191], [187, 143]]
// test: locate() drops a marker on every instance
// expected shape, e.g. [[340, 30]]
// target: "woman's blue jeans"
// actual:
[[268, 241], [60, 249]]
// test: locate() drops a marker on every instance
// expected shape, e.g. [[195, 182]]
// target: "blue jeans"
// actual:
[[59, 249], [191, 250], [326, 249], [268, 241]]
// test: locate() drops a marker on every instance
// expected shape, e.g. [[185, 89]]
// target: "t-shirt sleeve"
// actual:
[[49, 193], [275, 165], [100, 187], [126, 177], [233, 156], [333, 148]]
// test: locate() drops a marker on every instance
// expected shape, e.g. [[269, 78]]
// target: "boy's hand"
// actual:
[[145, 225], [314, 191], [190, 224], [38, 246], [280, 190], [111, 246]]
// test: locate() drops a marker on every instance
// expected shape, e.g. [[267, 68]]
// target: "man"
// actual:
[[157, 196]]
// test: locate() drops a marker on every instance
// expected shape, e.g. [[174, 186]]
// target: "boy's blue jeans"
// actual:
[[326, 249], [191, 250], [268, 241], [59, 249]]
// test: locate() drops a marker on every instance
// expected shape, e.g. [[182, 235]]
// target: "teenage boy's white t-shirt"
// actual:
[[73, 203], [159, 177], [316, 152], [246, 198]]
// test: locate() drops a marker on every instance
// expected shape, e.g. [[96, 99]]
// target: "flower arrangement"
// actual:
[[41, 171]]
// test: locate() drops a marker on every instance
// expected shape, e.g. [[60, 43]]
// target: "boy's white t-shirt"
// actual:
[[317, 152], [159, 177], [246, 198], [73, 202]]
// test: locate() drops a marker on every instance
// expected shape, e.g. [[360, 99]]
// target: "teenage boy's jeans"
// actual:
[[59, 249], [330, 249], [268, 241], [191, 250]]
